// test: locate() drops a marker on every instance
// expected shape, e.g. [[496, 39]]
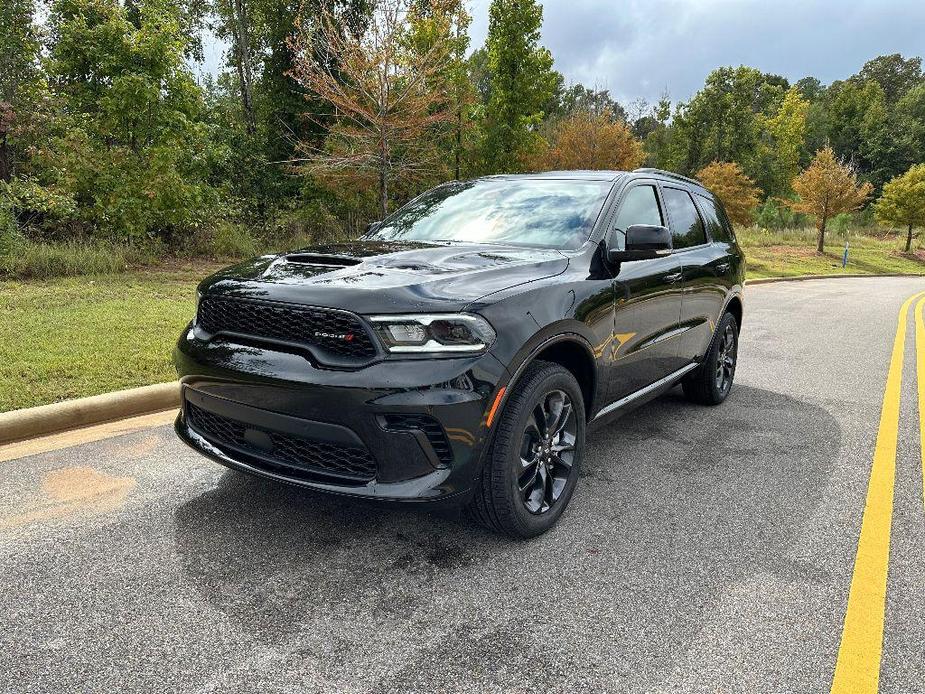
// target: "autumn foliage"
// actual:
[[827, 188], [585, 140], [738, 192], [388, 92]]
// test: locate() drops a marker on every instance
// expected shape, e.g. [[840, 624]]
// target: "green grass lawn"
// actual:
[[792, 253], [76, 336]]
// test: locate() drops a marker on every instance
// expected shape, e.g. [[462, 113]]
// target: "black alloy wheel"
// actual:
[[547, 451], [726, 359], [530, 469], [711, 382]]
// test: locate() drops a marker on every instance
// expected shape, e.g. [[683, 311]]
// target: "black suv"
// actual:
[[458, 350]]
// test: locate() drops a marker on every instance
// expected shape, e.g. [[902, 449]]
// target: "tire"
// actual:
[[523, 501], [707, 385]]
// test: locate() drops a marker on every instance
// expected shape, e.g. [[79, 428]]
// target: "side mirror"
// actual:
[[371, 227], [643, 242]]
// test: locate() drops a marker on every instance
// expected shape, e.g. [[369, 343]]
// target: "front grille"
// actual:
[[336, 332], [294, 453], [431, 428]]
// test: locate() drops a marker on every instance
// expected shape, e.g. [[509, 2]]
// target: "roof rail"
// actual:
[[670, 174]]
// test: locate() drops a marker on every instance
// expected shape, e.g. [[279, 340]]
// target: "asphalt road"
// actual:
[[705, 549]]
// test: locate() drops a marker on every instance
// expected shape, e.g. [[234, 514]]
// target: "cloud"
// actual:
[[641, 48]]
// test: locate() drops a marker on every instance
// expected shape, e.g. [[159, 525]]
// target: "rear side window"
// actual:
[[715, 220], [639, 206], [686, 226]]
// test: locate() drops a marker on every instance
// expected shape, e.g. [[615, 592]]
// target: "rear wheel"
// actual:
[[531, 467], [711, 382]]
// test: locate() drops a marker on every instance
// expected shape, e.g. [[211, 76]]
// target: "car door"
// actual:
[[647, 296], [705, 264]]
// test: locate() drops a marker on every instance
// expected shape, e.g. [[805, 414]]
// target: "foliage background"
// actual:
[[112, 154]]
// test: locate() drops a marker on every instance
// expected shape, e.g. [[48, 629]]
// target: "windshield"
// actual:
[[529, 212]]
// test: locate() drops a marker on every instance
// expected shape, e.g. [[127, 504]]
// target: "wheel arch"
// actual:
[[734, 306], [573, 353]]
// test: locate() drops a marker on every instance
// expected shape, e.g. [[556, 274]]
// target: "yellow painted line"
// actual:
[[920, 378], [98, 432], [858, 668]]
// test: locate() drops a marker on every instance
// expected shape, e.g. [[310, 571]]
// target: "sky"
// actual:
[[643, 48]]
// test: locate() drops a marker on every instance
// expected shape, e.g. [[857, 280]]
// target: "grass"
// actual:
[[70, 337], [793, 252], [77, 336]]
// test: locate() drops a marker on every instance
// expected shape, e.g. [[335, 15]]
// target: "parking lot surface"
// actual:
[[705, 550]]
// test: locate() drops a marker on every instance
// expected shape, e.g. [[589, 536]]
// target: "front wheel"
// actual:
[[531, 467], [711, 382]]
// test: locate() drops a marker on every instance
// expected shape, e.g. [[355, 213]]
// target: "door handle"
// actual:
[[721, 268], [673, 277]]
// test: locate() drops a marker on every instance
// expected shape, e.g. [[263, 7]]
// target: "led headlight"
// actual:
[[420, 333]]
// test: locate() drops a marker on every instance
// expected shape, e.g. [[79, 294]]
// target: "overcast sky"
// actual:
[[641, 48]]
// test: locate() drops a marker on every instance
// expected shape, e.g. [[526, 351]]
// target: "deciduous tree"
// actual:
[[381, 89], [827, 188], [522, 82], [903, 202], [19, 50], [738, 192], [589, 141]]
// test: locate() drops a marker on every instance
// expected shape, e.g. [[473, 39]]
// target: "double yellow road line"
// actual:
[[857, 670]]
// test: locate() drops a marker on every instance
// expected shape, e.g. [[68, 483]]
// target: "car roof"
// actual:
[[612, 176], [567, 175]]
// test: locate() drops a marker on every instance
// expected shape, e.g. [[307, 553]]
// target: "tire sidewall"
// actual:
[[727, 320], [552, 377]]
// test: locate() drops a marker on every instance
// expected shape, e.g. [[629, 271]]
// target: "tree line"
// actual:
[[327, 114]]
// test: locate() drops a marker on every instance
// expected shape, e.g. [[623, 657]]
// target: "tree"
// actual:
[[589, 141], [827, 188], [783, 144], [903, 201], [122, 135], [721, 122], [19, 49], [579, 98], [378, 86], [522, 82], [738, 192], [894, 74]]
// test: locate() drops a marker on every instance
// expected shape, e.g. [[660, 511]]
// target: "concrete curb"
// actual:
[[71, 414], [803, 278]]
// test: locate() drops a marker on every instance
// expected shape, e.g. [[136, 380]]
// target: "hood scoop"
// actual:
[[322, 260]]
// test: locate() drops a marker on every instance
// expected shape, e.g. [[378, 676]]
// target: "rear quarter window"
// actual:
[[714, 216]]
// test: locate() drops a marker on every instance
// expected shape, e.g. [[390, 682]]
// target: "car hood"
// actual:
[[386, 277]]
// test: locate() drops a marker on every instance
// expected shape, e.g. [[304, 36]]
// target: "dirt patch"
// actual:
[[71, 490]]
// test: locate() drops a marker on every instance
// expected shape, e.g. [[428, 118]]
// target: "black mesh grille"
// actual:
[[291, 452], [336, 332], [431, 428]]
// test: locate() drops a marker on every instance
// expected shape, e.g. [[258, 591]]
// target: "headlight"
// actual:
[[419, 333]]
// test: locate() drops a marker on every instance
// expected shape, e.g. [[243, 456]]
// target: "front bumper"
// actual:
[[409, 430]]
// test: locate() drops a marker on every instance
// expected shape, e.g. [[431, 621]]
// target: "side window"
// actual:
[[686, 226], [639, 206], [713, 216]]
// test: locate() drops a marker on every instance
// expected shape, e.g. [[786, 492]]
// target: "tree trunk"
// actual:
[[458, 139], [240, 32], [383, 193], [909, 239], [6, 167], [820, 247]]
